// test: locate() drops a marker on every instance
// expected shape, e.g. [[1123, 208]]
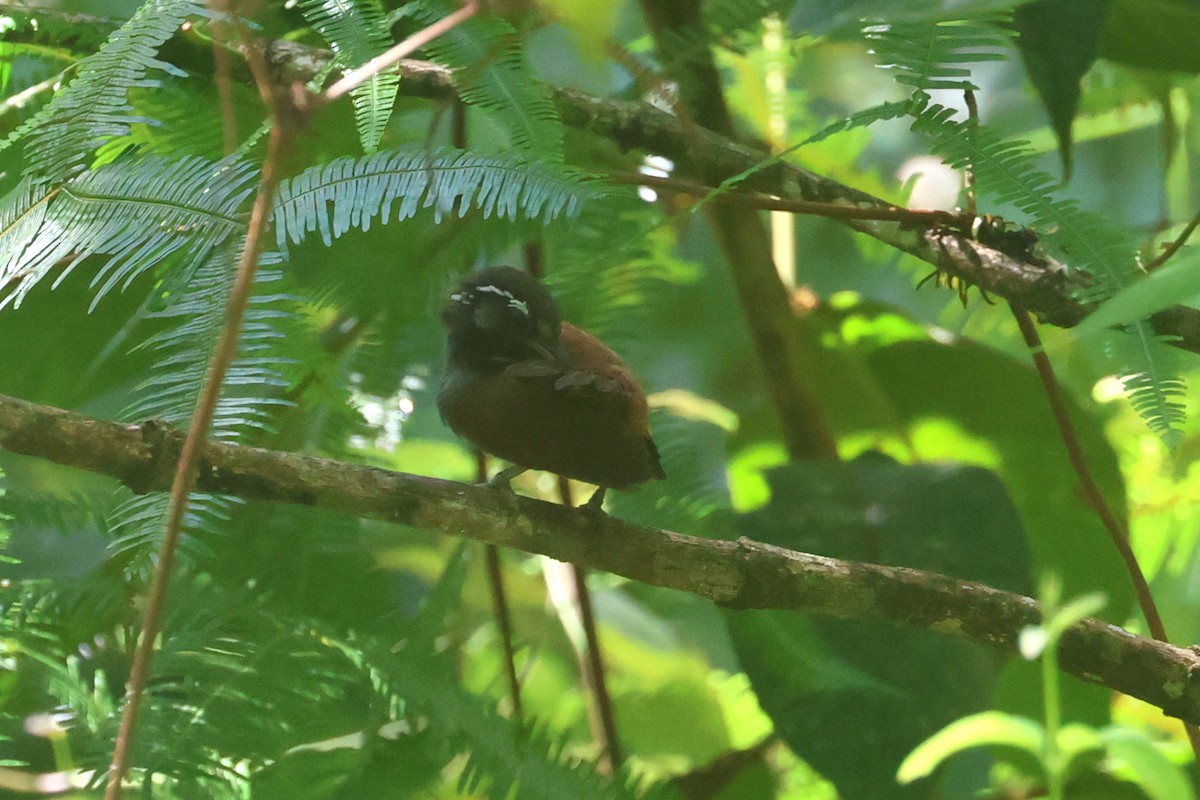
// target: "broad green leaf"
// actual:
[[1176, 282], [994, 398], [1153, 34], [1080, 748], [824, 682], [1056, 62], [1135, 758], [987, 729]]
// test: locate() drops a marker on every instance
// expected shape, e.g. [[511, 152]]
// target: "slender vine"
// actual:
[[1095, 497], [287, 116], [193, 444]]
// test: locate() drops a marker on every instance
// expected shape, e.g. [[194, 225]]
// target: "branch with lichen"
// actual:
[[739, 574]]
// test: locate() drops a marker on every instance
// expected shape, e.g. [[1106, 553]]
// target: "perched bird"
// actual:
[[529, 388]]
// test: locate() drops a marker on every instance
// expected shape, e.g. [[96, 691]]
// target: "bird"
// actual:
[[527, 387]]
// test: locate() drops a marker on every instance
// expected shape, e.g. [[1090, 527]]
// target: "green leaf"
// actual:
[[1177, 281], [823, 16], [994, 399], [822, 681], [931, 56], [1056, 62], [1153, 34], [135, 213], [95, 106], [988, 729], [1080, 747], [1134, 757], [491, 72]]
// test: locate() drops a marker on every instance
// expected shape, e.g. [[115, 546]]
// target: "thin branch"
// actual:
[[839, 211], [1095, 496], [500, 607], [355, 77], [189, 461], [591, 667], [504, 627], [741, 574], [1175, 246], [595, 675]]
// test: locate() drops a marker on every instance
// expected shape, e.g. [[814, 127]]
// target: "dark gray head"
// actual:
[[500, 315]]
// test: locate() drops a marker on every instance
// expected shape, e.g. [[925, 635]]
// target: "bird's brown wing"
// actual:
[[598, 387]]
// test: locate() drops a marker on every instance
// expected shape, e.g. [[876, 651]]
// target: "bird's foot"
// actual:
[[595, 503], [501, 479]]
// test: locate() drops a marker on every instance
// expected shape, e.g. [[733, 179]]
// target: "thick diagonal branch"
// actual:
[[741, 574]]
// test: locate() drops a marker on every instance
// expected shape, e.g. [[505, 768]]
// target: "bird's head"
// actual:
[[500, 315]]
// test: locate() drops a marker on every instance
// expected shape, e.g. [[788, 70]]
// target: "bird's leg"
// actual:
[[595, 503], [500, 479]]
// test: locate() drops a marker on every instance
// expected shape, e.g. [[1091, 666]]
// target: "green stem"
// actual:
[[1055, 772]]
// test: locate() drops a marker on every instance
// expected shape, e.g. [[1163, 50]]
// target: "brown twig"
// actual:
[[602, 718], [193, 444], [504, 627], [906, 216], [1095, 497], [355, 77], [500, 606], [1175, 246], [1083, 471], [969, 172]]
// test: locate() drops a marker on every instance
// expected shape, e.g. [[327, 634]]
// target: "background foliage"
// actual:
[[307, 654]]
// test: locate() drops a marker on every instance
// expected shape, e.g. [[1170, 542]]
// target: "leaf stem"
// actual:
[[1176, 245]]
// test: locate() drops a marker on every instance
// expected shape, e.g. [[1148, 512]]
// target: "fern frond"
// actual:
[[134, 213], [490, 72], [936, 55], [180, 121], [611, 264], [348, 193], [66, 514], [1154, 392], [251, 395], [137, 523], [498, 751], [251, 392], [95, 107], [357, 30]]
